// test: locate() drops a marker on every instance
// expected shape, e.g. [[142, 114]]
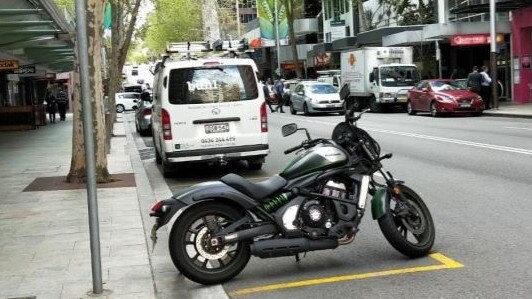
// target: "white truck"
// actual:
[[378, 76]]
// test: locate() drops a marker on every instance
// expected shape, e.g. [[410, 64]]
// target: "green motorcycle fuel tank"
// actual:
[[318, 158]]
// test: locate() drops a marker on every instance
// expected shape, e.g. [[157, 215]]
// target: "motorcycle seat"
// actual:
[[258, 191]]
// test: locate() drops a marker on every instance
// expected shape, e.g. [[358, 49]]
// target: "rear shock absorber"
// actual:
[[277, 201]]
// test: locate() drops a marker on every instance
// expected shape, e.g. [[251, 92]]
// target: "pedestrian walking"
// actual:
[[267, 98], [474, 80], [62, 104], [279, 94], [485, 87], [51, 107]]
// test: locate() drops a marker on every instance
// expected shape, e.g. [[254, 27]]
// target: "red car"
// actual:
[[443, 96]]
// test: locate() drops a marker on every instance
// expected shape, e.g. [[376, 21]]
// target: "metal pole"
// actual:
[[277, 41], [438, 56], [238, 18], [83, 56], [493, 56]]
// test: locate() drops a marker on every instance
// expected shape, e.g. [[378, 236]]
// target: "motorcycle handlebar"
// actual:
[[293, 149]]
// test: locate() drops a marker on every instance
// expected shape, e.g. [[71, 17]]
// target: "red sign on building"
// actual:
[[474, 39]]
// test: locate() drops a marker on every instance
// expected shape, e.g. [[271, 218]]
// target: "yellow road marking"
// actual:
[[445, 263]]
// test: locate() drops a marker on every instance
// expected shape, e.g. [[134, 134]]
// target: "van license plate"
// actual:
[[217, 128]]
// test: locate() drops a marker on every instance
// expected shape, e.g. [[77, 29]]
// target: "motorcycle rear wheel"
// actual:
[[191, 251], [411, 235]]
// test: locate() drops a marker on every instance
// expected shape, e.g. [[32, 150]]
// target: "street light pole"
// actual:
[[493, 56], [277, 41], [94, 230]]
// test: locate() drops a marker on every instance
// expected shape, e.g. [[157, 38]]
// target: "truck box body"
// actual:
[[356, 66]]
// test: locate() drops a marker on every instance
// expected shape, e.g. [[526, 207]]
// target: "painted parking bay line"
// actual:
[[444, 263]]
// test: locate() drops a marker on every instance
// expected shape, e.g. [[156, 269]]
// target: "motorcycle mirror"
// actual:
[[344, 92], [289, 129]]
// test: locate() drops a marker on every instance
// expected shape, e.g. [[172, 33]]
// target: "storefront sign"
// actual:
[[337, 29], [474, 39], [25, 69], [8, 64]]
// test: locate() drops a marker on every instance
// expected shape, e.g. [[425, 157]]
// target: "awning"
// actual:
[[36, 32], [371, 38]]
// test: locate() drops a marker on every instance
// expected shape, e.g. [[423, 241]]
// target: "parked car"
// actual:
[[289, 87], [443, 96], [143, 118], [126, 101], [312, 96]]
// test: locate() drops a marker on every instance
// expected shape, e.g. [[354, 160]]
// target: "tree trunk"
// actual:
[[289, 7], [95, 10]]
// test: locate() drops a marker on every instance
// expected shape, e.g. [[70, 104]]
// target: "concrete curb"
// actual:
[[151, 187], [504, 114]]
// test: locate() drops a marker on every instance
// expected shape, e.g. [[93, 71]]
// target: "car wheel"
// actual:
[[305, 109], [120, 108], [292, 109], [409, 109], [255, 165], [479, 113], [433, 110]]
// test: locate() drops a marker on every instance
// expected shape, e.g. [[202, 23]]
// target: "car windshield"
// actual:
[[399, 76], [217, 84], [322, 89], [444, 85]]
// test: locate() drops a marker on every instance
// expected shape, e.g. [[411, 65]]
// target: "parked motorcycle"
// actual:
[[315, 203]]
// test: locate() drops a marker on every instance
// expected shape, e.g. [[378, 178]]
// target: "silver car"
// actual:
[[313, 97], [143, 117]]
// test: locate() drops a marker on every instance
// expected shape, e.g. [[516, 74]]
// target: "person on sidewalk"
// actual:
[[486, 88], [62, 103], [51, 107], [474, 80], [267, 98], [279, 94]]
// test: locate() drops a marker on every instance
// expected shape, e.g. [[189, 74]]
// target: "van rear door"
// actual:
[[214, 105]]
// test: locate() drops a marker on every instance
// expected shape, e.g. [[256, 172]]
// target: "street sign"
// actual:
[[25, 69]]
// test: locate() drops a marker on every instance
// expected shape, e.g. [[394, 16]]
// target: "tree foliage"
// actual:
[[172, 20], [407, 12]]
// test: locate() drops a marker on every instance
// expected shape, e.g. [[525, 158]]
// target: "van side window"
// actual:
[[165, 81]]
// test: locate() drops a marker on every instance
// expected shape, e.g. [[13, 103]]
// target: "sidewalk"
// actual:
[[44, 235], [511, 109]]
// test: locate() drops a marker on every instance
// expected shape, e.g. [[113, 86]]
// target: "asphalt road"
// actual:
[[475, 175]]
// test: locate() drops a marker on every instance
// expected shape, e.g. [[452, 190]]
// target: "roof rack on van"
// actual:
[[204, 49]]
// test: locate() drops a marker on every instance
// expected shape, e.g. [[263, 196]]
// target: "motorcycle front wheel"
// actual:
[[408, 228], [191, 249]]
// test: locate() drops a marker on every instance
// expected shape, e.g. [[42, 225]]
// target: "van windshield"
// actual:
[[213, 84]]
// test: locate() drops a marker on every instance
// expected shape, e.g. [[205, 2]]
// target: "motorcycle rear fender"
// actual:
[[201, 193], [379, 203]]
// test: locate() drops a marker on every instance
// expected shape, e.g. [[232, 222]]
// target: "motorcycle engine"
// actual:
[[319, 213]]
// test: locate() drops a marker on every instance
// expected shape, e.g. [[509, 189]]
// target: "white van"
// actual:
[[209, 110]]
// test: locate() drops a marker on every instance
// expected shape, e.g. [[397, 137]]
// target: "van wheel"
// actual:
[[255, 165], [168, 170], [120, 108], [357, 105]]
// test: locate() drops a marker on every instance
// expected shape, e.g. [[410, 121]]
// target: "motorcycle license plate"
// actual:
[[217, 128]]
